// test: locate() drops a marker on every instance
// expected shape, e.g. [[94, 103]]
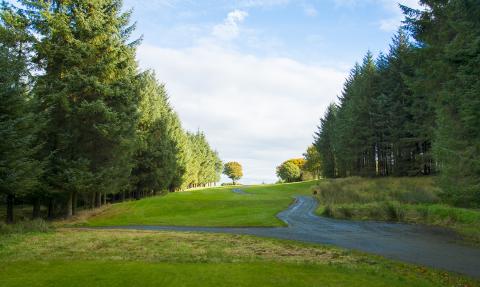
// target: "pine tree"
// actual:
[[89, 93], [403, 117], [448, 33], [324, 142], [157, 159], [18, 168]]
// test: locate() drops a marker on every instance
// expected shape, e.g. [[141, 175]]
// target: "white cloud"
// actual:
[[310, 10], [394, 22], [258, 111], [229, 28], [391, 23]]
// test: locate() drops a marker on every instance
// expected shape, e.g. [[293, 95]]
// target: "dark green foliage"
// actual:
[[156, 161], [101, 129], [448, 33], [88, 91], [18, 169], [324, 142], [403, 120], [415, 111], [380, 127]]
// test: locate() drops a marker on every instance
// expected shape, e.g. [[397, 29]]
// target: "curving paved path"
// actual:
[[434, 247]]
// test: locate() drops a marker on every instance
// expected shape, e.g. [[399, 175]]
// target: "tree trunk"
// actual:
[[98, 199], [69, 205], [122, 196], [74, 203], [50, 208], [10, 203], [104, 198], [92, 200], [36, 208]]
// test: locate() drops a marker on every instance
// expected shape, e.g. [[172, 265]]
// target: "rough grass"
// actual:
[[206, 207], [145, 258], [26, 226], [163, 246], [412, 200]]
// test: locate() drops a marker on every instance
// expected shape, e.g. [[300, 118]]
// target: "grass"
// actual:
[[93, 257], [26, 226], [206, 207], [412, 200], [70, 257]]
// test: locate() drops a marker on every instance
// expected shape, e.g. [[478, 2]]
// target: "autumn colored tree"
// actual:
[[289, 172], [233, 170]]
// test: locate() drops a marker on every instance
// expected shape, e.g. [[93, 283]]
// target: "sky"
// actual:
[[257, 75]]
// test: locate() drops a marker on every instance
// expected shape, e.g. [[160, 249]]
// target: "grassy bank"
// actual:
[[206, 207], [142, 258], [412, 200]]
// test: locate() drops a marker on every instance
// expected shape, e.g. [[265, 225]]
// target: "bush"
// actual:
[[37, 225], [394, 212], [328, 211]]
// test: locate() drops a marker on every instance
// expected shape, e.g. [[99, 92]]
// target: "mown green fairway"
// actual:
[[206, 207], [88, 273], [141, 258]]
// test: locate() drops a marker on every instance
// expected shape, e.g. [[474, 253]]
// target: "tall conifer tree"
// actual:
[[448, 33], [18, 169], [88, 90]]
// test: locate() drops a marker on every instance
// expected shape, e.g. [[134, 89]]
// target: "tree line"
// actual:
[[80, 124], [415, 110]]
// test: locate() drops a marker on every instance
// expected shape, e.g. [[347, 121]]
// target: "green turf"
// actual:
[[91, 273], [71, 257], [206, 207]]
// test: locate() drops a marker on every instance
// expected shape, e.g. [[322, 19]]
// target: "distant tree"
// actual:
[[312, 161], [325, 142], [299, 162], [156, 154], [233, 170], [289, 172]]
